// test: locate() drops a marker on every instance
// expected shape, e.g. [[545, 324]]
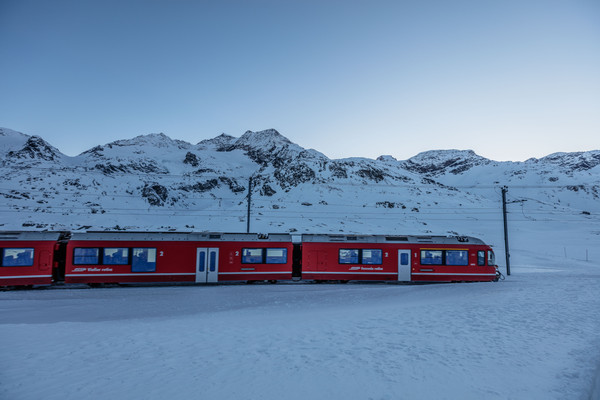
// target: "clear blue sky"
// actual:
[[508, 79]]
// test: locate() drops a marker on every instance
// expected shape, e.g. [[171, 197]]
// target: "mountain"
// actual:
[[26, 150], [440, 162], [579, 161], [153, 182]]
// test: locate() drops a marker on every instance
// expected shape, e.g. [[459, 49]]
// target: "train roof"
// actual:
[[179, 236], [30, 235], [390, 239], [248, 237]]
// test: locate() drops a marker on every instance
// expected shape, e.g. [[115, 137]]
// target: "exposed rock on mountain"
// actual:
[[192, 159], [580, 161], [219, 143], [155, 193], [269, 147], [146, 166], [35, 148], [438, 162]]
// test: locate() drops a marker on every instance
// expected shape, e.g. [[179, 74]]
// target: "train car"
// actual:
[[26, 258], [396, 258], [138, 257]]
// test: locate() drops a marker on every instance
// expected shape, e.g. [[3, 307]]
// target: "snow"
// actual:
[[11, 140], [535, 335]]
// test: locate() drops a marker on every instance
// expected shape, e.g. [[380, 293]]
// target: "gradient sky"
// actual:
[[508, 79]]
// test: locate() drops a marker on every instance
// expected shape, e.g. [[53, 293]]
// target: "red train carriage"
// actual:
[[26, 258], [396, 258], [136, 257]]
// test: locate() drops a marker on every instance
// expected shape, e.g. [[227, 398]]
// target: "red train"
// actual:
[[45, 258]]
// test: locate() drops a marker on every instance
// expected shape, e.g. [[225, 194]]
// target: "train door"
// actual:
[[404, 266], [45, 260], [207, 265], [322, 261]]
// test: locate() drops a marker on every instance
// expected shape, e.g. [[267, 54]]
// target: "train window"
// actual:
[[252, 256], [276, 256], [348, 256], [491, 258], [212, 261], [264, 256], [404, 259], [431, 257], [481, 257], [371, 256], [17, 257], [361, 256], [143, 260], [115, 256], [85, 255], [457, 257]]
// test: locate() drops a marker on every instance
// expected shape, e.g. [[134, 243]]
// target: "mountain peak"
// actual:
[[36, 148], [266, 138], [387, 158], [436, 155], [269, 146], [221, 142], [151, 139], [577, 161], [438, 162]]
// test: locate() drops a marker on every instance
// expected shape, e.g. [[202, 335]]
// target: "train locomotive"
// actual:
[[93, 258]]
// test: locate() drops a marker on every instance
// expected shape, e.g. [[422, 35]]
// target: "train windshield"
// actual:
[[491, 258]]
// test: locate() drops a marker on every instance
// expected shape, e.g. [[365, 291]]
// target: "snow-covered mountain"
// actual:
[[153, 182]]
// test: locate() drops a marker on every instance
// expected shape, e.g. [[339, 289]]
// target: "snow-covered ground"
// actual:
[[535, 335]]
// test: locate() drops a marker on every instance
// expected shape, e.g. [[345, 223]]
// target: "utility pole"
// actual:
[[504, 190], [249, 204]]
